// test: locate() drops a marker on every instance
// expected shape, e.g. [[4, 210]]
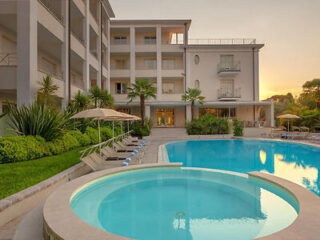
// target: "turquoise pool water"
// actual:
[[184, 204], [296, 162]]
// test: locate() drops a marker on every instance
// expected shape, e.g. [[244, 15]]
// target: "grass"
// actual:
[[15, 177]]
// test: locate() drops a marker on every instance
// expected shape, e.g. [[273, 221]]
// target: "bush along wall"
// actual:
[[24, 148], [208, 124], [237, 128]]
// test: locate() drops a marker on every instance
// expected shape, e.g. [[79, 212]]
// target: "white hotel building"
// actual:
[[76, 43]]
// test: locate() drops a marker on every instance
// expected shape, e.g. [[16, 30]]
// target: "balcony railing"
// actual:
[[54, 8], [77, 36], [174, 66], [229, 93], [8, 59], [231, 41], [146, 67], [119, 41], [125, 67], [229, 67], [146, 41]]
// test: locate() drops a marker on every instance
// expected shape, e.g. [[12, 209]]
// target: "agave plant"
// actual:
[[36, 120]]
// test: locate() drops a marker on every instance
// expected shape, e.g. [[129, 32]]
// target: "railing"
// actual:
[[97, 147], [146, 41], [119, 41], [174, 66], [229, 93], [125, 67], [78, 37], [177, 42], [8, 59], [231, 41], [56, 75], [229, 67], [146, 67], [51, 6]]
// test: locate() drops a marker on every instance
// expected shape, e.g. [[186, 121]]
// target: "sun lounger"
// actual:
[[108, 151], [127, 142], [120, 147]]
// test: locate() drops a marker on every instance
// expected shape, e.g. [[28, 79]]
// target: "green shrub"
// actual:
[[22, 148], [106, 133], [208, 124], [82, 139], [139, 130], [237, 128], [93, 135], [36, 120]]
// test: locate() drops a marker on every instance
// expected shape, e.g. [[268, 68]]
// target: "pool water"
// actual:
[[295, 162], [184, 204]]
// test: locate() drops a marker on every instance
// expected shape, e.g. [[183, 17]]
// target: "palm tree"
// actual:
[[80, 102], [144, 90], [106, 99], [47, 91], [193, 95], [95, 94]]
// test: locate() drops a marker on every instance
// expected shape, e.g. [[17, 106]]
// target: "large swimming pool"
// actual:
[[298, 163]]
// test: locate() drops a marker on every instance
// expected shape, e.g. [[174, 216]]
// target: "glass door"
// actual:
[[165, 117]]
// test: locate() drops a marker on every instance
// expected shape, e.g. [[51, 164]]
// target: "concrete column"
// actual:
[[256, 74], [65, 53], [99, 46], [272, 114], [86, 37], [147, 111], [132, 55], [188, 73], [108, 57], [159, 64], [27, 49], [188, 113]]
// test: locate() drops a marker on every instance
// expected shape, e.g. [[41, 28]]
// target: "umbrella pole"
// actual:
[[99, 137], [112, 133], [288, 125], [128, 127]]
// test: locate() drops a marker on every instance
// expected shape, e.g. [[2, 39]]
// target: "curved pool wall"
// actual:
[[299, 163], [184, 203], [61, 223]]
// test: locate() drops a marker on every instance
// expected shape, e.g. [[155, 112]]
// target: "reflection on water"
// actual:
[[295, 162]]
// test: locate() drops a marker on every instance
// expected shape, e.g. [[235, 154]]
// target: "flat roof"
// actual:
[[151, 21], [204, 46]]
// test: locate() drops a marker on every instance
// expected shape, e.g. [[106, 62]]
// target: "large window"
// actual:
[[150, 63], [219, 112], [167, 88], [150, 40], [165, 117], [121, 64], [120, 40], [121, 88]]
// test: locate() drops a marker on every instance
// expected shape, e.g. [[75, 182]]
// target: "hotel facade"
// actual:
[[77, 44]]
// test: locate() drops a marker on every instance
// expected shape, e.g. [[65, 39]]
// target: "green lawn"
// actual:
[[15, 177]]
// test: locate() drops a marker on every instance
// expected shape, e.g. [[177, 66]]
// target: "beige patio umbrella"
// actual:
[[98, 114], [288, 116], [129, 117]]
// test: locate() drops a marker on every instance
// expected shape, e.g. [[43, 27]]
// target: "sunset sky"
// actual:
[[290, 30]]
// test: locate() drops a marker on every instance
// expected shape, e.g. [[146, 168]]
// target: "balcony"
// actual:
[[227, 41], [54, 7], [228, 69], [8, 59], [225, 94], [174, 69], [120, 71]]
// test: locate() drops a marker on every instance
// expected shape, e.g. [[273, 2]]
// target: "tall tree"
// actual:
[[311, 94], [106, 99], [144, 90], [80, 102], [193, 95], [47, 91]]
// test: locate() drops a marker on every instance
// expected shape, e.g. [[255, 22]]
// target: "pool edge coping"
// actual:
[[57, 212]]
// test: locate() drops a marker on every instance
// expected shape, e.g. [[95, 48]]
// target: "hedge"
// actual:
[[24, 148], [208, 124]]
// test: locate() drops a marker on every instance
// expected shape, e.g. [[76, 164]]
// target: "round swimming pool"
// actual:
[[298, 163], [184, 204]]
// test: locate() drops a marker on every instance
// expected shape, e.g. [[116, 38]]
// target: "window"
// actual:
[[124, 110], [168, 64], [167, 88], [120, 40], [197, 84], [196, 59], [226, 61], [121, 64], [121, 88], [150, 40], [150, 63], [219, 112], [227, 87]]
